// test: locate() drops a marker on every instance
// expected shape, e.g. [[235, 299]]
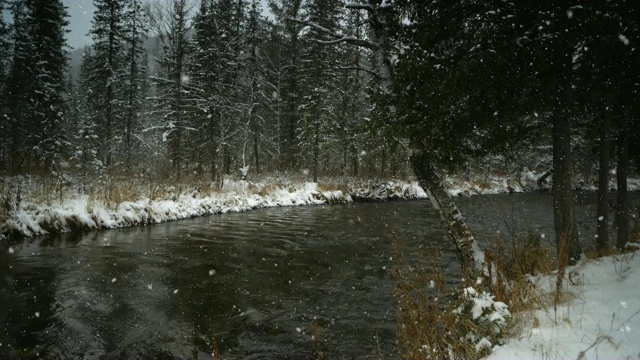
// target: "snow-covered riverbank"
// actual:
[[29, 207], [600, 319], [25, 216]]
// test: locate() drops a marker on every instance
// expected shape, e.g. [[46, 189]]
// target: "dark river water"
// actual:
[[267, 284]]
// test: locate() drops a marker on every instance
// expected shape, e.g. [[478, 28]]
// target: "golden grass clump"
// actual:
[[438, 321], [334, 186]]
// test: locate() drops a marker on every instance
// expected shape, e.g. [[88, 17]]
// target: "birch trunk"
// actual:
[[453, 222], [456, 228]]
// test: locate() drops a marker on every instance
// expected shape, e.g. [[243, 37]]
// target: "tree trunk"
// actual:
[[456, 228], [622, 208], [544, 177], [316, 148], [602, 240], [564, 216], [452, 221]]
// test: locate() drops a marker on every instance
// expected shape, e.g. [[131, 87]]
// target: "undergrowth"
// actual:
[[440, 320]]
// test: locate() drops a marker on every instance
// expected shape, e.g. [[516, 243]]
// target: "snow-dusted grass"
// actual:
[[490, 184], [32, 206], [26, 210], [598, 319]]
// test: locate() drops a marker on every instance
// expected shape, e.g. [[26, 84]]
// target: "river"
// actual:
[[272, 283]]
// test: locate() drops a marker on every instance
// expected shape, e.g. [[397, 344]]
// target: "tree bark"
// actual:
[[565, 224], [602, 240], [622, 208], [457, 230], [452, 221], [544, 177]]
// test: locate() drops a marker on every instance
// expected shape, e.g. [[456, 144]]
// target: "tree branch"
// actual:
[[338, 37], [368, 71], [358, 6]]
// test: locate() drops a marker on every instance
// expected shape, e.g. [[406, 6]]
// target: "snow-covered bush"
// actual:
[[489, 316]]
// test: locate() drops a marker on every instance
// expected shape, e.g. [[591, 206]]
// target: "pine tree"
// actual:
[[251, 79], [321, 73], [172, 101], [109, 47], [48, 23], [206, 74], [134, 75], [352, 82], [86, 142], [274, 65], [4, 116], [19, 89], [289, 72]]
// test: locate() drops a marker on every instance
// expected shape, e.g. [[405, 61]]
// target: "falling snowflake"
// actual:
[[150, 286], [212, 272], [175, 291], [113, 280], [624, 39], [11, 250], [37, 314]]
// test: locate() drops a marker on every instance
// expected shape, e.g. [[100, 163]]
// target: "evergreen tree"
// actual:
[[108, 32], [49, 59], [205, 70], [289, 71], [352, 82], [172, 101], [252, 78], [321, 74], [4, 116], [86, 142], [134, 75], [19, 89], [274, 65]]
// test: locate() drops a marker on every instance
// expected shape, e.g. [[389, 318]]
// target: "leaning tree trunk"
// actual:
[[457, 230], [602, 240], [622, 207], [429, 180]]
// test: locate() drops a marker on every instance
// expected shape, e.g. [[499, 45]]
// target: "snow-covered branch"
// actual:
[[358, 6], [358, 68], [339, 38]]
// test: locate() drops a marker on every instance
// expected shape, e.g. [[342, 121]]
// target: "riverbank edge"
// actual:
[[25, 213], [77, 212]]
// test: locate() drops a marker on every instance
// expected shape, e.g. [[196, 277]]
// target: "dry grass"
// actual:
[[634, 237], [334, 185], [430, 325], [607, 251], [512, 264]]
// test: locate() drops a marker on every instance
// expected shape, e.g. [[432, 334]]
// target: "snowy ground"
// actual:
[[600, 319]]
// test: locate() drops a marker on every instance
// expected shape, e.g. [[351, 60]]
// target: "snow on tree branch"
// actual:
[[359, 6], [338, 37]]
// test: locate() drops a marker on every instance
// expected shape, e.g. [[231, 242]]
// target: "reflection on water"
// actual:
[[274, 283]]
